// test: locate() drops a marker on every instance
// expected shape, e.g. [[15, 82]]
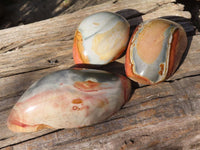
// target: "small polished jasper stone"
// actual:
[[100, 38], [155, 51], [68, 99]]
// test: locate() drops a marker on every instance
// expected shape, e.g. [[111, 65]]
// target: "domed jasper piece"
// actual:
[[69, 99], [100, 38], [155, 51]]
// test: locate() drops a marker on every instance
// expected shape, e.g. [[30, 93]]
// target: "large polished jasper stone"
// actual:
[[155, 51], [100, 38], [68, 99]]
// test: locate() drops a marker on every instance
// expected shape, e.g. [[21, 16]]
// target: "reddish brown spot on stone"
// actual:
[[87, 86], [161, 69], [77, 101], [75, 108]]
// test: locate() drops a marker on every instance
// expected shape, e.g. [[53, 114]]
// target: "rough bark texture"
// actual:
[[161, 116]]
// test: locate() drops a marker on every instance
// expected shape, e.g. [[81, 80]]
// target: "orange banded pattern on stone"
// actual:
[[155, 51], [100, 38]]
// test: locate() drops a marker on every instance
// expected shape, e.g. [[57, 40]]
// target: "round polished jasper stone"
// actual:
[[100, 38], [155, 51]]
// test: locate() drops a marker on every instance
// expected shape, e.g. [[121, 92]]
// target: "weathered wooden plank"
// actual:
[[142, 123], [163, 108], [151, 138]]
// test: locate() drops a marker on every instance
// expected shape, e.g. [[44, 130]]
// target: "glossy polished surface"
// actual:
[[100, 38], [68, 99], [155, 51]]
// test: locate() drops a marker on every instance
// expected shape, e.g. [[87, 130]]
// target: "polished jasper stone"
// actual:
[[155, 51], [100, 38], [68, 99]]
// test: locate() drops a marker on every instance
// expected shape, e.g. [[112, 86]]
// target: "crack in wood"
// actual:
[[10, 48], [11, 145], [156, 8], [127, 143], [114, 1], [82, 139], [174, 80], [5, 138], [6, 109], [52, 62], [14, 74], [148, 100], [189, 76]]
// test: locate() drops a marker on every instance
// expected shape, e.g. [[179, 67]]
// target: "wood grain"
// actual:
[[162, 116]]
